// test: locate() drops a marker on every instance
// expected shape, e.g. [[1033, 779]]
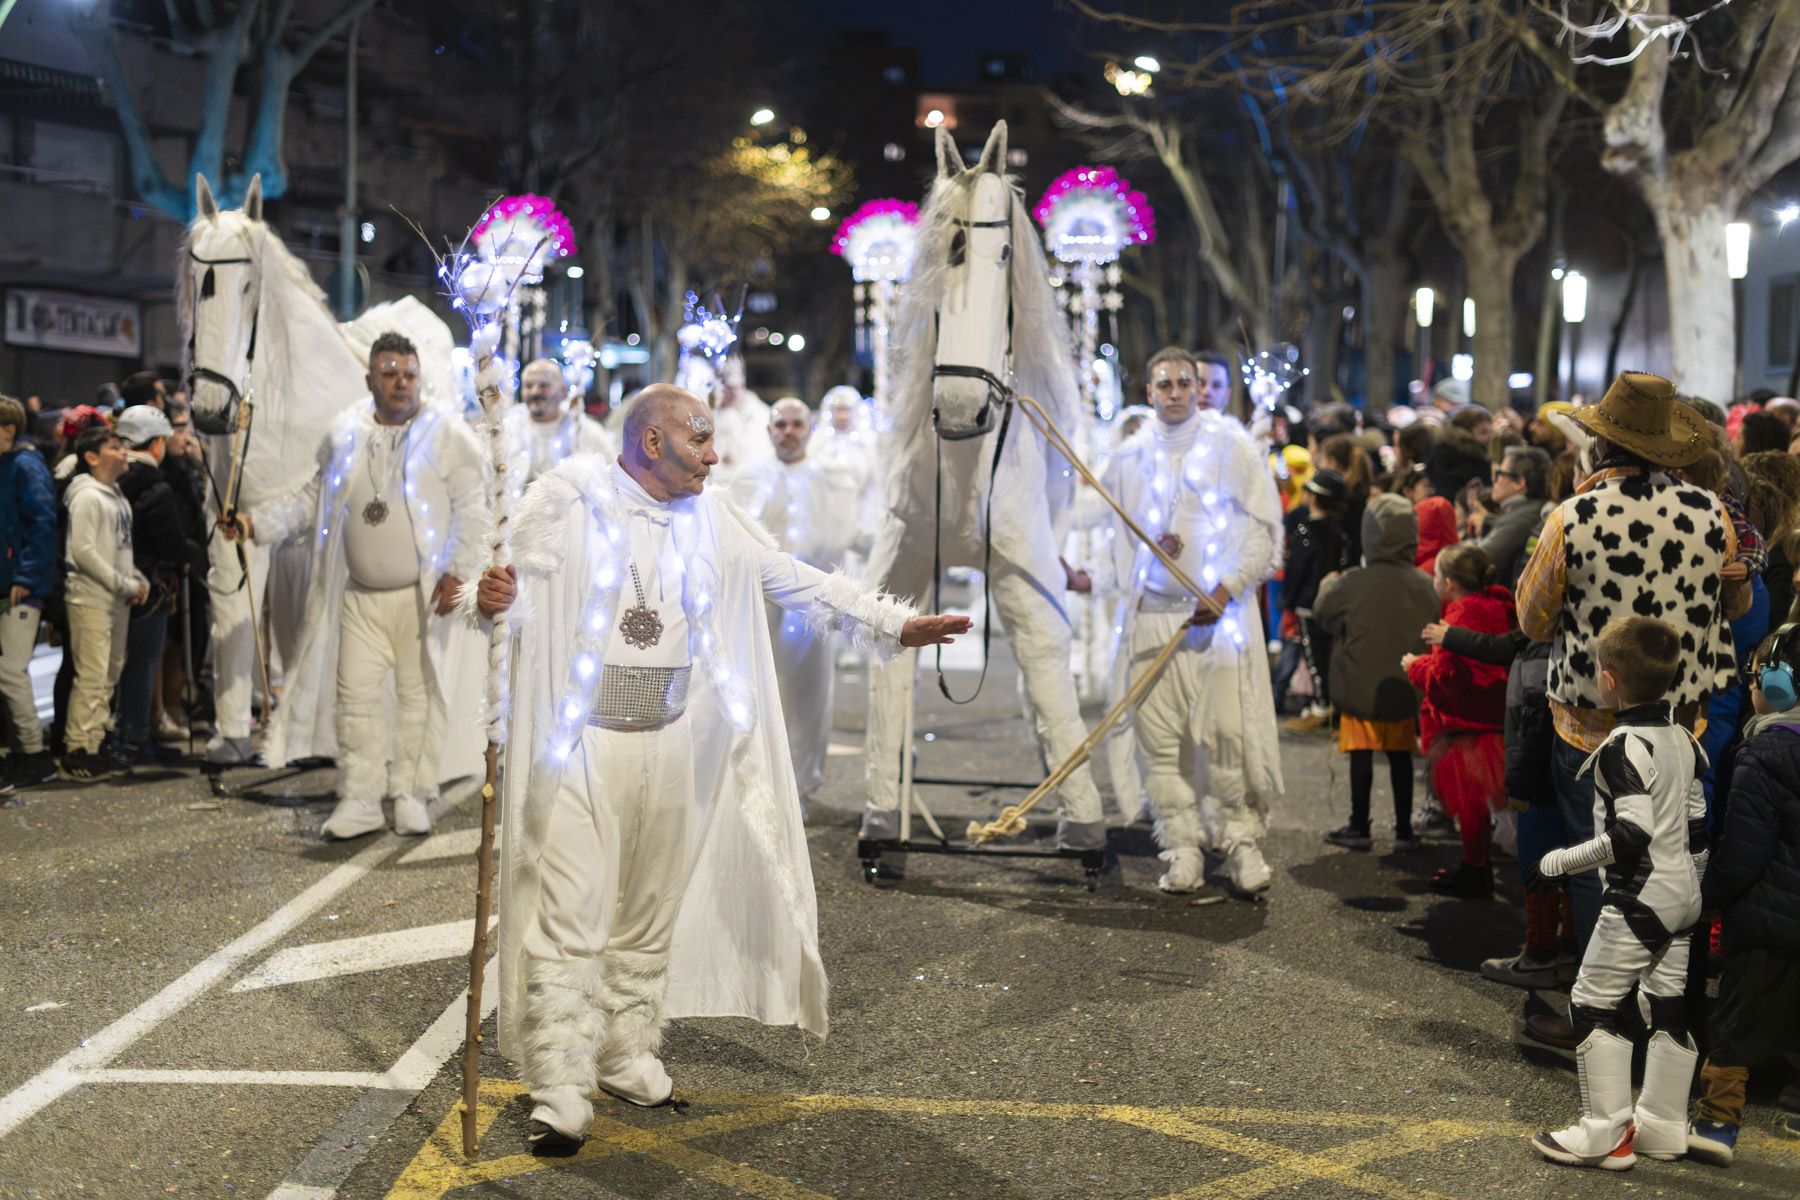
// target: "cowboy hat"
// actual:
[[1640, 414]]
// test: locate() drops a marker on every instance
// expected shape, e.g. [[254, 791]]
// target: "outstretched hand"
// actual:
[[933, 630]]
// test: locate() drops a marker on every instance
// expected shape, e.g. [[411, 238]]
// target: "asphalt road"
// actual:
[[204, 999]]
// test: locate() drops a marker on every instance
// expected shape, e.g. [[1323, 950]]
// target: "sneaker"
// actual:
[[118, 759], [1712, 1142], [171, 729], [1523, 970], [229, 751], [411, 817], [1550, 1030], [82, 766], [1313, 720], [1620, 1158], [29, 770], [1468, 881], [548, 1142], [1350, 837], [1405, 843]]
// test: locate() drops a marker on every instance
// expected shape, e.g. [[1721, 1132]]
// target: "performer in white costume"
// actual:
[[398, 518], [652, 858], [544, 430], [803, 503], [1206, 731], [742, 420]]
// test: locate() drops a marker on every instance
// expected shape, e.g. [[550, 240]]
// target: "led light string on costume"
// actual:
[[1011, 820]]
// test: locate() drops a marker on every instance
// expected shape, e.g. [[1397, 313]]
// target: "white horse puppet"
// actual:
[[971, 482], [256, 326]]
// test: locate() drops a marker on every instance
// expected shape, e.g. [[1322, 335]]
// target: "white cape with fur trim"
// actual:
[[746, 940]]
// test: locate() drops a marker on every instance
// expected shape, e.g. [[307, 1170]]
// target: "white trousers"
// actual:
[[616, 858], [804, 673], [97, 643], [18, 637], [1200, 792], [233, 639], [382, 635]]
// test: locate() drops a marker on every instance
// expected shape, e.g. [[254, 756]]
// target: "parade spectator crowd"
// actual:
[[1449, 574]]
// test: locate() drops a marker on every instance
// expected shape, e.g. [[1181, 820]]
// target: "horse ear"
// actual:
[[204, 204], [993, 155], [949, 158], [253, 198]]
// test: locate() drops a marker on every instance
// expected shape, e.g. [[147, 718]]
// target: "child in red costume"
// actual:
[[1437, 529], [1464, 712]]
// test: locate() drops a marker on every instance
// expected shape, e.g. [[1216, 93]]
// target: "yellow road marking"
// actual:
[[439, 1168], [1338, 1164]]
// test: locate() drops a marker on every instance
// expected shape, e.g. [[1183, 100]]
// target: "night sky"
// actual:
[[951, 34]]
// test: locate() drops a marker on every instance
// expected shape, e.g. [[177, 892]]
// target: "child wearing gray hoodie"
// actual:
[[103, 583]]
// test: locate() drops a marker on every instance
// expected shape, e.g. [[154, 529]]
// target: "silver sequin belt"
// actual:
[[639, 699]]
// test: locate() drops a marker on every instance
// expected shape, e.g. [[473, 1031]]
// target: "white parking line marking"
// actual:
[[454, 844], [354, 956], [355, 1079], [94, 1053]]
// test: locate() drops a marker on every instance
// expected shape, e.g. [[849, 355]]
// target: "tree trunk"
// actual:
[[1383, 315], [1625, 309], [1550, 310], [1702, 315], [1490, 273]]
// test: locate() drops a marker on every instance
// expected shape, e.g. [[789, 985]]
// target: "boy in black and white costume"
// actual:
[[1651, 814]]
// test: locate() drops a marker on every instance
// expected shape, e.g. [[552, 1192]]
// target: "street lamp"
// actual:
[[821, 213], [1468, 316], [1144, 62], [762, 116], [1423, 304], [1574, 306], [1787, 214], [1129, 82]]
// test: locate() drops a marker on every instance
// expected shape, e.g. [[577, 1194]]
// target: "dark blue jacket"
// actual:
[[1754, 875], [27, 524]]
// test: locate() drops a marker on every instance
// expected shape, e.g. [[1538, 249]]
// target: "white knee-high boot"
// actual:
[[631, 992], [1602, 1137], [1662, 1103], [563, 1028]]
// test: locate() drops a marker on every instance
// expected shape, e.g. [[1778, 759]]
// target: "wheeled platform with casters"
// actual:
[[870, 851]]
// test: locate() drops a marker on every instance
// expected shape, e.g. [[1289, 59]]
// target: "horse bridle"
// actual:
[[999, 396], [198, 372], [999, 392]]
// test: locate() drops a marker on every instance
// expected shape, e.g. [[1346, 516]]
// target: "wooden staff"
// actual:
[[493, 424]]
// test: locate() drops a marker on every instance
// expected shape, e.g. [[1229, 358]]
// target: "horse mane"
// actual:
[[1042, 354]]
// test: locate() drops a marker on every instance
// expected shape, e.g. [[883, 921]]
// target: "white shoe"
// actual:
[[638, 1079], [1187, 870], [411, 817], [229, 751], [1247, 869], [352, 818]]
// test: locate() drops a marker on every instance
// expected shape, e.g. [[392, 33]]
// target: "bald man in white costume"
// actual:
[[652, 859]]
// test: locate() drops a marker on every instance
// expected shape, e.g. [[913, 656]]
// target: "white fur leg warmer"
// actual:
[[631, 992], [563, 1024]]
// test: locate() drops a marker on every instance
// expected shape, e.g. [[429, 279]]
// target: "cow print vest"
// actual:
[[1642, 545]]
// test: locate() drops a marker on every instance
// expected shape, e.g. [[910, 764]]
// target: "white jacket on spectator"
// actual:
[[101, 570]]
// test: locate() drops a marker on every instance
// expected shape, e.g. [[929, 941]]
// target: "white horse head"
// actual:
[[972, 372], [220, 298]]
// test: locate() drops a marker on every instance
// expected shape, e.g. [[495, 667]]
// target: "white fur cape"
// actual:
[[746, 939]]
